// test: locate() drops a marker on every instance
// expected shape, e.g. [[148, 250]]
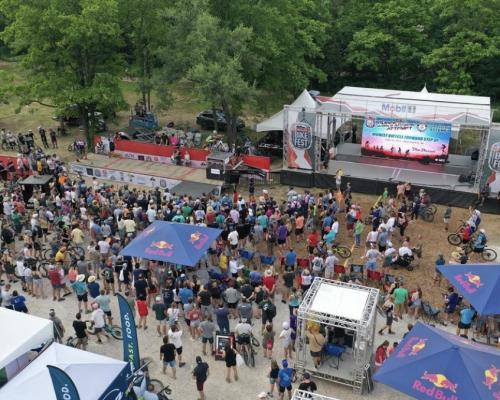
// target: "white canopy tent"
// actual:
[[275, 122], [91, 373], [21, 333]]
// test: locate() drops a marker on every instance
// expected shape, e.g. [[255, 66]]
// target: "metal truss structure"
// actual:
[[363, 331], [302, 395]]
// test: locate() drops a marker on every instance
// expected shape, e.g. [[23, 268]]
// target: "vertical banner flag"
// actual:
[[129, 331], [491, 168], [64, 387], [301, 142]]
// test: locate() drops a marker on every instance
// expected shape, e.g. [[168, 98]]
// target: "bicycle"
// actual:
[[249, 354], [75, 251], [113, 330], [72, 341], [488, 254], [136, 378]]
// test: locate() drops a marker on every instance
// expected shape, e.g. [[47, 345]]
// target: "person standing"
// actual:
[[381, 354], [388, 308], [207, 328], [229, 355], [307, 385], [58, 326], [400, 301], [221, 313], [53, 138], [80, 328], [200, 374], [273, 376], [467, 315], [175, 337], [316, 343], [447, 216], [161, 316], [285, 380], [142, 310], [98, 321], [167, 355]]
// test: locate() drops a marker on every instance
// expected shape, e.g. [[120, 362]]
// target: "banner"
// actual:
[[491, 169], [406, 139], [301, 141], [129, 331], [64, 387], [123, 176]]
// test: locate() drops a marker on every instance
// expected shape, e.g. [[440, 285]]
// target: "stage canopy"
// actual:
[[425, 106], [478, 283], [21, 333], [96, 377], [431, 363], [172, 242], [275, 122]]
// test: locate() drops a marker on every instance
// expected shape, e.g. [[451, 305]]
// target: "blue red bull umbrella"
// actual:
[[171, 242], [478, 283], [432, 364]]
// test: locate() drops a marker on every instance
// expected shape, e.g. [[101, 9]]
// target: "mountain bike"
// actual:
[[73, 250], [113, 330], [248, 352], [488, 254]]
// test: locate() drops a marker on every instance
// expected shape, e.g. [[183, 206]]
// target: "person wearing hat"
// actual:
[[307, 385], [93, 286], [160, 311], [285, 338], [80, 288], [200, 375]]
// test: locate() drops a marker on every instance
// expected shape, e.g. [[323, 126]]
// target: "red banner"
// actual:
[[5, 160], [260, 162], [132, 146]]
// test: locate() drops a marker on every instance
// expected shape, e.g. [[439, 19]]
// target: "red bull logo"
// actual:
[[148, 231], [412, 347], [198, 239], [491, 376], [438, 381], [160, 248], [469, 282]]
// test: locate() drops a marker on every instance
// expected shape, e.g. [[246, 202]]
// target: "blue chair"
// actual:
[[245, 254], [333, 353], [266, 260]]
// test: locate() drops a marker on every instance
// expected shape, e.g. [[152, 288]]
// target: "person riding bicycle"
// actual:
[[243, 332], [480, 242]]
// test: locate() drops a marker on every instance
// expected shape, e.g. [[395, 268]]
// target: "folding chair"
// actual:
[[357, 271], [246, 254], [333, 353], [267, 260]]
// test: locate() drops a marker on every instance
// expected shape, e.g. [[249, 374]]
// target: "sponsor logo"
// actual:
[[421, 127], [494, 158], [469, 282], [160, 248], [198, 239], [115, 394], [412, 347], [442, 388], [302, 136], [399, 108], [491, 376]]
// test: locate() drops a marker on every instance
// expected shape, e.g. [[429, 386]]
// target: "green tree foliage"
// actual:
[[71, 49]]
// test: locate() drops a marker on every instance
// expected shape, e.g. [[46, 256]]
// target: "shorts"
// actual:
[[187, 321], [97, 330], [179, 350], [371, 265], [281, 241], [207, 339], [272, 381], [299, 231], [446, 220], [315, 353], [82, 341], [108, 313], [463, 326], [310, 249], [169, 363], [28, 280], [58, 286], [162, 322], [199, 386], [281, 389], [234, 247], [243, 339], [388, 321], [82, 297], [232, 305], [195, 323], [350, 227]]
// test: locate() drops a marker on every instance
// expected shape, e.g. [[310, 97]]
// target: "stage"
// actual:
[[371, 175]]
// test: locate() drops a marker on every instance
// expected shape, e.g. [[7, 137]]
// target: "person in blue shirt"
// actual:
[[466, 317], [285, 380], [93, 286], [18, 302], [450, 302], [480, 242], [185, 293], [290, 260], [255, 276]]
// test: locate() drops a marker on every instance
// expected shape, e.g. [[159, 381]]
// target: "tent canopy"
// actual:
[[430, 360], [275, 122], [172, 242], [478, 283], [21, 333], [92, 374], [450, 108]]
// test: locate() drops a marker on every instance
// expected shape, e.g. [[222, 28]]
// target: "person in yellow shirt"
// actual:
[[316, 343], [77, 235], [60, 256]]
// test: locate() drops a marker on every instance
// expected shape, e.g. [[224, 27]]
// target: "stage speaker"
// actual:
[[475, 155], [232, 177]]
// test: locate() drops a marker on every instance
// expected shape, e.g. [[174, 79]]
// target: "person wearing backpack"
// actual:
[[285, 380], [268, 311]]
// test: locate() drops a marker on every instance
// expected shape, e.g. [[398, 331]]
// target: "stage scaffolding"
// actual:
[[362, 326], [302, 395]]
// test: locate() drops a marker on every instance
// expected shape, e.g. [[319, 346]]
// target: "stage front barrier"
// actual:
[[302, 395]]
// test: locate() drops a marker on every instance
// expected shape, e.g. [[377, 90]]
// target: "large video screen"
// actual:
[[406, 139]]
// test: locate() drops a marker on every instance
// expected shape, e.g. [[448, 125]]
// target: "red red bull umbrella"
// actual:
[[433, 364], [478, 283], [171, 242]]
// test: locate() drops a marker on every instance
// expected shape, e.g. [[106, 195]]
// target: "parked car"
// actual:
[[206, 120], [77, 121]]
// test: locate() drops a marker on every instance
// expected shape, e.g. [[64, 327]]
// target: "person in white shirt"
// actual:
[[233, 267], [98, 322], [151, 214], [243, 331], [175, 337], [317, 265], [405, 251], [103, 248], [371, 238], [233, 238], [330, 262]]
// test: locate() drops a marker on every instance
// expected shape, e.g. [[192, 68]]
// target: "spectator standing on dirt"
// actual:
[[400, 301], [200, 374], [58, 326], [53, 138], [285, 380]]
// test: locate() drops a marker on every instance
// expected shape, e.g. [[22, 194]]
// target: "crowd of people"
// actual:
[[83, 227]]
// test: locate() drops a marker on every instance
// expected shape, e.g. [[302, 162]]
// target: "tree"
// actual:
[[218, 69], [71, 49]]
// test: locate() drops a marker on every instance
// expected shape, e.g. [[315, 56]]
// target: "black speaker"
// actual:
[[474, 155]]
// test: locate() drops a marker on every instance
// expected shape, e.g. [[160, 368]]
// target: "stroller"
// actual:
[[430, 314], [405, 262]]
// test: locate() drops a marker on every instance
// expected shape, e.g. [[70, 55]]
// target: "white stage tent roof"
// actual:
[[91, 373], [450, 108], [275, 122], [21, 333]]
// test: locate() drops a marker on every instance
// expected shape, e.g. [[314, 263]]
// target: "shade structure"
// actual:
[[96, 377], [172, 242], [433, 364], [478, 283]]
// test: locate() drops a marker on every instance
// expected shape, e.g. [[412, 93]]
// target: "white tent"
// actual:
[[21, 333], [91, 373], [275, 122]]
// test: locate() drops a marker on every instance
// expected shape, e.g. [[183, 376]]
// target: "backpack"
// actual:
[[270, 309]]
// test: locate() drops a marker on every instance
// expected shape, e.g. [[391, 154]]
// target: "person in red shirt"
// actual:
[[55, 281], [142, 310], [269, 283], [312, 241], [381, 354]]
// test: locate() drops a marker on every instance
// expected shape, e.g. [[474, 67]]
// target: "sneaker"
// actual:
[[269, 394]]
